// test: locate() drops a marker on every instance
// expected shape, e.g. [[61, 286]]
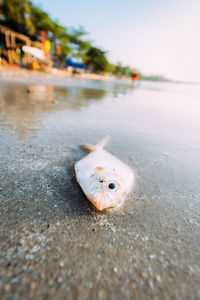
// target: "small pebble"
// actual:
[[14, 280], [152, 256], [61, 264], [50, 282], [113, 229], [151, 284], [29, 257], [35, 249], [60, 280], [143, 274], [7, 287], [33, 285], [21, 242], [158, 279]]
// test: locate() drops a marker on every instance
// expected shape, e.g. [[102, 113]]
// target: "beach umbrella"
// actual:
[[34, 51]]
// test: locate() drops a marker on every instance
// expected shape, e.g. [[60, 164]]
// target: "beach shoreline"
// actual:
[[10, 74]]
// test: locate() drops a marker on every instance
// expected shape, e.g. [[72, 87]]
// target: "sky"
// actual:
[[154, 36]]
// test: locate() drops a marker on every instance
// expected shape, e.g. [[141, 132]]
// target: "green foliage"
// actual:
[[42, 21], [154, 78], [96, 60], [122, 71], [17, 14], [111, 68], [79, 45]]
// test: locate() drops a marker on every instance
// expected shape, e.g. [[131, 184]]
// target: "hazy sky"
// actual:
[[154, 36]]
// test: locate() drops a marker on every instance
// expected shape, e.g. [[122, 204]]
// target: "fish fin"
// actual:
[[89, 148], [99, 145]]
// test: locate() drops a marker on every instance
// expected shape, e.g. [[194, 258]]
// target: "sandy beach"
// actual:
[[53, 244], [53, 76]]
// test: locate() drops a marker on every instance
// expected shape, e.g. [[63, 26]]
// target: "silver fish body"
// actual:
[[104, 179]]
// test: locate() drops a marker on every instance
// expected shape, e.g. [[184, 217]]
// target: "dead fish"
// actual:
[[104, 179]]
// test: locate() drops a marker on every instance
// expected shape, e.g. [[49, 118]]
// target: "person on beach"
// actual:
[[134, 77]]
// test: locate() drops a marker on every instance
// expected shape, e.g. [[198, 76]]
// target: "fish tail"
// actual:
[[99, 145]]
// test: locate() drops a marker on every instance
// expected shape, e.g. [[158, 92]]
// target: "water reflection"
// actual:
[[22, 108]]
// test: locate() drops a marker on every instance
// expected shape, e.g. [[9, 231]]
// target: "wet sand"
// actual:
[[53, 244]]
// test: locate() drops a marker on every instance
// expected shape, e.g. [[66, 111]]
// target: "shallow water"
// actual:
[[53, 242]]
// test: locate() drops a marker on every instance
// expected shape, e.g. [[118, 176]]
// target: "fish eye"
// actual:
[[112, 186]]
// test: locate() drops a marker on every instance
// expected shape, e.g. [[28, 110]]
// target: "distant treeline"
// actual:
[[24, 17]]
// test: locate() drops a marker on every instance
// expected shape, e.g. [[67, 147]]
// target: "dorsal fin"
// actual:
[[98, 146]]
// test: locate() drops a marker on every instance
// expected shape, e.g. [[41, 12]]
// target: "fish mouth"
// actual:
[[98, 199]]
